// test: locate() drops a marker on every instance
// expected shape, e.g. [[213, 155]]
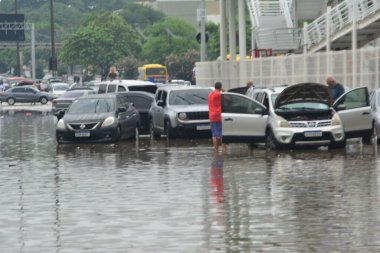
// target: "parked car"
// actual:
[[375, 111], [24, 94], [142, 101], [126, 85], [58, 89], [99, 118], [61, 104], [301, 114], [180, 110]]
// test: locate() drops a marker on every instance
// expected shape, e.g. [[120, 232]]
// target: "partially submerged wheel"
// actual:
[[270, 141], [153, 132], [117, 135], [43, 100], [11, 101], [169, 131], [339, 144]]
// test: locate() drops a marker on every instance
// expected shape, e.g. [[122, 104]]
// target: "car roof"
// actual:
[[128, 82], [103, 95], [171, 87], [139, 93]]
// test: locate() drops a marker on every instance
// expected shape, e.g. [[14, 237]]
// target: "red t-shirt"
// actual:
[[215, 106]]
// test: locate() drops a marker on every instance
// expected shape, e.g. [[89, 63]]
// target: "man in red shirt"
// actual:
[[215, 116]]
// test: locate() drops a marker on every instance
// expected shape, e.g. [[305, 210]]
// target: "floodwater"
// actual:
[[173, 196]]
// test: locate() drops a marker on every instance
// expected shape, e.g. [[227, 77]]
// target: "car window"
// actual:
[[140, 102], [29, 90], [121, 89], [259, 96], [123, 101], [189, 97], [111, 88], [354, 99], [164, 96], [18, 90], [102, 88], [158, 95], [238, 104], [92, 105]]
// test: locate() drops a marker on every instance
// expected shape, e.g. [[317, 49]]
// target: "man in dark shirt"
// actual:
[[335, 89]]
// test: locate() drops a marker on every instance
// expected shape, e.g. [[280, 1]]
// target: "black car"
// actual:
[[98, 118], [60, 105], [142, 101]]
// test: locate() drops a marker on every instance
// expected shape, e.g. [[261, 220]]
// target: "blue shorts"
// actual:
[[216, 129]]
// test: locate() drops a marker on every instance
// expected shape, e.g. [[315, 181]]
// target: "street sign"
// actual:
[[12, 27]]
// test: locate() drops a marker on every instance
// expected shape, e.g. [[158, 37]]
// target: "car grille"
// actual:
[[311, 124], [197, 115], [83, 126]]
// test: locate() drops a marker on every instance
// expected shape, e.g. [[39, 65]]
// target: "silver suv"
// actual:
[[301, 114], [180, 110]]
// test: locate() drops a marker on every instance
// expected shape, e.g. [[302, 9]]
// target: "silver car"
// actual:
[[298, 115], [180, 110]]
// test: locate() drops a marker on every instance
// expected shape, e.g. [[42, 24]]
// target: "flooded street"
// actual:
[[172, 196]]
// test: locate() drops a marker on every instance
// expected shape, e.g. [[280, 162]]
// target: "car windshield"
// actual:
[[189, 97], [304, 106], [91, 105], [60, 87], [73, 94], [273, 97]]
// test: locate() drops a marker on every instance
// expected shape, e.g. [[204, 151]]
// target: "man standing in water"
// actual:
[[215, 116]]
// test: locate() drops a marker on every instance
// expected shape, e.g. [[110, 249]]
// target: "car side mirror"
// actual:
[[341, 107], [122, 109], [61, 113], [160, 103], [261, 111]]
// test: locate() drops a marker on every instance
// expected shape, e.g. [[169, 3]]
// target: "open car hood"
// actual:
[[304, 92]]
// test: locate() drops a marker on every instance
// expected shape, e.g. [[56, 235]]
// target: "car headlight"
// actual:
[[61, 124], [182, 115], [281, 122], [335, 121], [108, 121]]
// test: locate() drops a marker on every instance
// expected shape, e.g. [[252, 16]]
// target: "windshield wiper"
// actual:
[[197, 96], [184, 99]]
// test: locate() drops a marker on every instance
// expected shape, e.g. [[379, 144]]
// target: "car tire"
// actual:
[[370, 138], [338, 145], [43, 100], [117, 135], [270, 141], [153, 132], [135, 135], [11, 101], [169, 131]]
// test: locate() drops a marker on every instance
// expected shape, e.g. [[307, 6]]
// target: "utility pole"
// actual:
[[203, 31], [53, 58], [18, 67]]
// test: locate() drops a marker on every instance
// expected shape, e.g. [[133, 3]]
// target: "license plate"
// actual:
[[203, 127], [313, 133], [82, 134]]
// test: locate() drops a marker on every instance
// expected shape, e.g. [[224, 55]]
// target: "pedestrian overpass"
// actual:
[[349, 25]]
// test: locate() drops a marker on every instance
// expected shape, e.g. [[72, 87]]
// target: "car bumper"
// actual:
[[96, 135], [309, 136], [193, 129]]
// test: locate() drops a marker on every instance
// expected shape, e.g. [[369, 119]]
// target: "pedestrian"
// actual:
[[2, 87], [215, 116], [335, 89], [249, 87], [113, 74]]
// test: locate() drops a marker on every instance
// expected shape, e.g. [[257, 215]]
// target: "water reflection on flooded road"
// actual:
[[174, 196]]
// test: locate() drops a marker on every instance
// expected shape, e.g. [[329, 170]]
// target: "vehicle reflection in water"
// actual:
[[173, 196]]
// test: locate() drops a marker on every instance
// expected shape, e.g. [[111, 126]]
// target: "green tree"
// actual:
[[181, 66], [102, 40], [169, 36], [129, 67]]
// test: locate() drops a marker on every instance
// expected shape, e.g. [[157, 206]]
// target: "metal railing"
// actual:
[[261, 8], [340, 17], [280, 39]]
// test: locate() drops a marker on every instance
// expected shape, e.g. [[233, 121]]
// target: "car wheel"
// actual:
[[169, 131], [374, 137], [153, 132], [117, 135], [339, 144], [135, 136], [43, 100], [270, 141], [11, 101], [369, 139]]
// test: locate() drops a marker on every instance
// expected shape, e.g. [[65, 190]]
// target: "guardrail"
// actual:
[[340, 17], [280, 39]]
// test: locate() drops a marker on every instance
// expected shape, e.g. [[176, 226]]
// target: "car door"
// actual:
[[355, 112], [159, 110], [19, 94], [243, 119], [31, 95], [142, 104]]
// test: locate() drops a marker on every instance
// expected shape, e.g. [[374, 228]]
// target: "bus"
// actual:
[[155, 73]]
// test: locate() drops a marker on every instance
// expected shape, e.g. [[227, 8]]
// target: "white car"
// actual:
[[298, 115], [58, 89]]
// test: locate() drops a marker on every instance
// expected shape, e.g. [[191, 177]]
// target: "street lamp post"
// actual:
[[18, 67], [52, 59]]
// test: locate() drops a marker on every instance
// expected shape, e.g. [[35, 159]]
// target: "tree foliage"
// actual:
[[101, 41], [169, 36], [181, 66]]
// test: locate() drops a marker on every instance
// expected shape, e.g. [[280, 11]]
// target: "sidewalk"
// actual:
[[27, 107]]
